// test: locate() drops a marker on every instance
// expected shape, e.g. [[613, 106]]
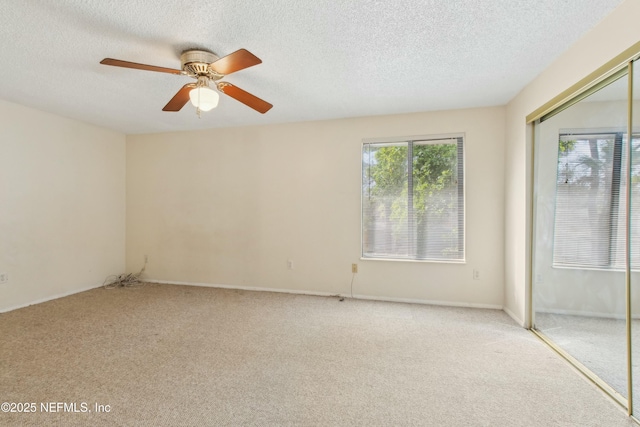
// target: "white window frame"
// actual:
[[421, 139]]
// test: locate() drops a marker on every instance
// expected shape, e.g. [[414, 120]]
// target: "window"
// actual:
[[413, 199], [590, 216]]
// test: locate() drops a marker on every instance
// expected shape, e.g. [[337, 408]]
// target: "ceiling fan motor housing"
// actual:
[[196, 63]]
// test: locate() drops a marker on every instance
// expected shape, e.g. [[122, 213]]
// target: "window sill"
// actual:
[[588, 268], [417, 261]]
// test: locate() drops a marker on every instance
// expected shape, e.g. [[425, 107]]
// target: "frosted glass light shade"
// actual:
[[204, 98]]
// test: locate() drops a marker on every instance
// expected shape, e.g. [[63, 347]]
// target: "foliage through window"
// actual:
[[413, 199], [590, 215]]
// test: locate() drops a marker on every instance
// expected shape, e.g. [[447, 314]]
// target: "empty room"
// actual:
[[320, 213]]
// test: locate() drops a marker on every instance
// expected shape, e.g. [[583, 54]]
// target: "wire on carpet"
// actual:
[[341, 297], [126, 280], [352, 278]]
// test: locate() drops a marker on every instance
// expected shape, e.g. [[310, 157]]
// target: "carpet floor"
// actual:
[[161, 355], [600, 344]]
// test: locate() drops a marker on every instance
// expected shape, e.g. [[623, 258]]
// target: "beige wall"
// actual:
[[231, 206], [62, 205], [614, 34]]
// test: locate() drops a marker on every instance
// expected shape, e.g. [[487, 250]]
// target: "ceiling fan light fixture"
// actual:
[[206, 68], [204, 98]]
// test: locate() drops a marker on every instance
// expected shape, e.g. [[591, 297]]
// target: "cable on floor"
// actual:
[[126, 280], [352, 279]]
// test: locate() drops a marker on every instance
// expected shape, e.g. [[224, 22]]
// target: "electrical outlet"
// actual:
[[354, 268], [290, 264], [4, 277], [476, 274]]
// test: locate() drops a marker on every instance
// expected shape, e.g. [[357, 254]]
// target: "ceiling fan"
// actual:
[[206, 68]]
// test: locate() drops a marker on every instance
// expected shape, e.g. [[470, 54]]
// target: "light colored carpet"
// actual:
[[598, 343], [177, 355]]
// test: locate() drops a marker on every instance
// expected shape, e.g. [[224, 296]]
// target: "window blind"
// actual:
[[590, 216], [413, 199]]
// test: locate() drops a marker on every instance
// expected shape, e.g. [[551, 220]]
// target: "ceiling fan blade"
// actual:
[[135, 65], [179, 99], [245, 97], [236, 61]]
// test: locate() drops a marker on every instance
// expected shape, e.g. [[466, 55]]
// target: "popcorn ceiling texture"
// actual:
[[322, 59]]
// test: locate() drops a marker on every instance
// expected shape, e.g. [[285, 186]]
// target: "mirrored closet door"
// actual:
[[585, 237]]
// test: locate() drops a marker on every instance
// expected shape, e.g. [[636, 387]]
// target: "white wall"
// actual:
[[231, 206], [62, 205], [614, 34], [225, 211]]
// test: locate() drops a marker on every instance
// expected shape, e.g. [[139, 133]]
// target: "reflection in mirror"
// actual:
[[579, 284]]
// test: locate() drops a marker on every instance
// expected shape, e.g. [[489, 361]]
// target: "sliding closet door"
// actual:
[[578, 280], [634, 238]]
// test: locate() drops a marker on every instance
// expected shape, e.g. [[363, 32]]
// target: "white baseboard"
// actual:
[[49, 298], [586, 313], [318, 293], [511, 314], [243, 288], [279, 290], [430, 302]]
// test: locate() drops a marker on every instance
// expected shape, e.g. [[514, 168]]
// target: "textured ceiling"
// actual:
[[322, 59]]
